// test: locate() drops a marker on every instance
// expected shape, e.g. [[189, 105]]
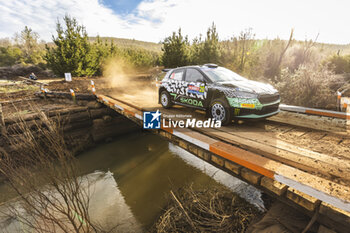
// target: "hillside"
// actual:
[[122, 42]]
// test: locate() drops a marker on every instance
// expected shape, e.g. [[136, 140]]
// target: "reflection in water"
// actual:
[[146, 167], [243, 189], [107, 207], [135, 174]]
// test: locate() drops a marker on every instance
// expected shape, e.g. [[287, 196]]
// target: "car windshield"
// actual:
[[221, 74]]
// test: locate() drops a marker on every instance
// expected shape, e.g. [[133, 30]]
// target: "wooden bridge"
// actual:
[[303, 160]]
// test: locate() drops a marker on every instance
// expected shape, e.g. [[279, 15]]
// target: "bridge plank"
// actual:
[[280, 151], [317, 187]]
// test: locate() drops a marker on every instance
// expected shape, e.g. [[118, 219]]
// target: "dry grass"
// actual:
[[205, 211], [43, 174]]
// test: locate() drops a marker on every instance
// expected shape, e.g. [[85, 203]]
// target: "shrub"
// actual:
[[309, 87], [9, 55], [339, 64]]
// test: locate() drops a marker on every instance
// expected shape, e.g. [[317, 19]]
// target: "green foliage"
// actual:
[[9, 55], [175, 50], [25, 50], [27, 42], [131, 43], [339, 64], [74, 53], [139, 58], [207, 51]]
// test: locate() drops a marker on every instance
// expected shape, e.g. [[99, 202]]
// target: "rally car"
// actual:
[[219, 91]]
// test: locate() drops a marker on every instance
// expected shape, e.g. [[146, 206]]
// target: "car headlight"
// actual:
[[245, 95]]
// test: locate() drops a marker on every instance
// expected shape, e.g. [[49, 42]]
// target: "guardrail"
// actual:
[[315, 111]]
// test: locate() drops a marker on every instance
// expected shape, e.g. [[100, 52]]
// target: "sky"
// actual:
[[153, 20]]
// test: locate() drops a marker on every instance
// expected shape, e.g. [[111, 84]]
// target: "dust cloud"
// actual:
[[124, 82]]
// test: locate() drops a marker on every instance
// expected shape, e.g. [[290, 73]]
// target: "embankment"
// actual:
[[83, 123]]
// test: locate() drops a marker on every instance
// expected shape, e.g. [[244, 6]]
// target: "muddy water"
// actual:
[[145, 168]]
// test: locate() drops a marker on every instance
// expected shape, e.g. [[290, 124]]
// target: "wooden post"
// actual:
[[2, 121], [73, 96], [338, 101], [93, 89], [44, 92], [347, 101]]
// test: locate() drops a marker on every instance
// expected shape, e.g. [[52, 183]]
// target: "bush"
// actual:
[[339, 64], [9, 55], [309, 87]]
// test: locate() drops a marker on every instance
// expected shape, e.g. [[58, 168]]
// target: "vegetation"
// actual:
[[339, 64], [175, 50], [303, 71], [25, 49], [44, 176], [276, 61], [72, 51], [205, 211]]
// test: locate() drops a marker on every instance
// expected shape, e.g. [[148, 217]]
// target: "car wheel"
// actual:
[[165, 99], [219, 110]]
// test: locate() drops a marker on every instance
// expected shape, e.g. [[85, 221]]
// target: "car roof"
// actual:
[[197, 66]]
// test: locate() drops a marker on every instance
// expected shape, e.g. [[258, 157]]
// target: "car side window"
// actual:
[[177, 75], [193, 75]]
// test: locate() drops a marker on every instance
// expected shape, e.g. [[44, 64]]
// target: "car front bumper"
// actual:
[[253, 108], [257, 116]]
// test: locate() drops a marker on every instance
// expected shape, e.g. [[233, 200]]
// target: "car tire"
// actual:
[[220, 110], [165, 99]]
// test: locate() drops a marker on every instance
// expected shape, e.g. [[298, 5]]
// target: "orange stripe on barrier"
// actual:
[[169, 130], [241, 157], [129, 112], [329, 114]]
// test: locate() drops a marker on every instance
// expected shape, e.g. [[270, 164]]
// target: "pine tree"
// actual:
[[210, 51], [72, 51], [175, 50]]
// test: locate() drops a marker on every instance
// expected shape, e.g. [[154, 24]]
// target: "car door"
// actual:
[[196, 89], [176, 85]]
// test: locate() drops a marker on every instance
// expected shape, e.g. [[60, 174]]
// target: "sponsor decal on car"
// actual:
[[196, 90], [193, 102], [245, 105]]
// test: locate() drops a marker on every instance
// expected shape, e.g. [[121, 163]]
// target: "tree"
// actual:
[[274, 60], [207, 51], [72, 52], [210, 51], [246, 39], [175, 50], [27, 42]]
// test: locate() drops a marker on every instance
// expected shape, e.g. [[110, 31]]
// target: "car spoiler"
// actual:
[[166, 70]]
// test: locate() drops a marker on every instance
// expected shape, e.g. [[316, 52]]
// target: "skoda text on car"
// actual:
[[219, 91]]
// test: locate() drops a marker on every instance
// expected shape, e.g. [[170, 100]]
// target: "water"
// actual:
[[132, 178], [146, 167]]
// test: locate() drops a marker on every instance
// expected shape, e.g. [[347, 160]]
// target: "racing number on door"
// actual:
[[195, 92]]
